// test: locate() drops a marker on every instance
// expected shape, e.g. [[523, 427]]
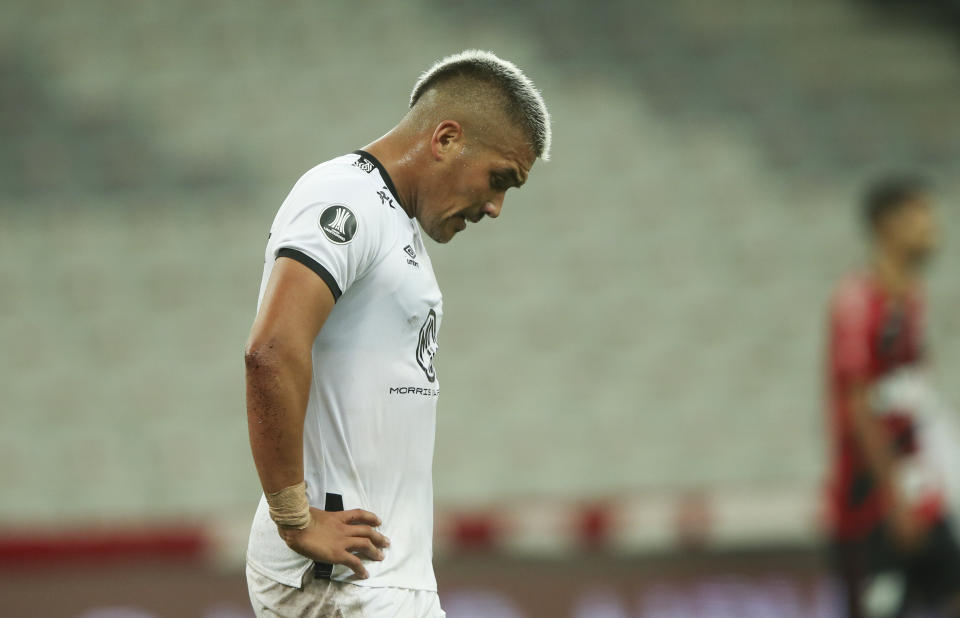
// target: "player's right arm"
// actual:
[[279, 370], [875, 445]]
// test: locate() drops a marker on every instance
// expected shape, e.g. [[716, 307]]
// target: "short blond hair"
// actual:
[[523, 102]]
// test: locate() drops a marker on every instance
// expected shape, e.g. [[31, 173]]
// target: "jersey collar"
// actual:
[[383, 174]]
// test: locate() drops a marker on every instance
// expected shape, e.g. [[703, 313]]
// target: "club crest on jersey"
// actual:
[[427, 346], [338, 223]]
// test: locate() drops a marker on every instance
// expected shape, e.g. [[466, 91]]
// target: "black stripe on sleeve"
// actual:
[[313, 265]]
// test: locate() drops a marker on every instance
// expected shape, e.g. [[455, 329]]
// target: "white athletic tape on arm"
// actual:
[[289, 507]]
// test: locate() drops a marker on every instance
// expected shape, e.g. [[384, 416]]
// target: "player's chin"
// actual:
[[442, 236], [921, 259], [450, 228]]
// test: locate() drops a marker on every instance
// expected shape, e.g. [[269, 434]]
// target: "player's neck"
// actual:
[[396, 158], [894, 275]]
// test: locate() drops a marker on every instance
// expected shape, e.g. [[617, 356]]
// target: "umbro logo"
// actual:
[[365, 164], [411, 260]]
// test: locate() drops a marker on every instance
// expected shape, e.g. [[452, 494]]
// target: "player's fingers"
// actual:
[[366, 531], [359, 516], [354, 564], [365, 547]]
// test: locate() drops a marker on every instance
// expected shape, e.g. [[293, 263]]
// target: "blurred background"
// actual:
[[631, 423]]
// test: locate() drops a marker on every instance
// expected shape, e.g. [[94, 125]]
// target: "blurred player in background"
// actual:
[[887, 496], [341, 387]]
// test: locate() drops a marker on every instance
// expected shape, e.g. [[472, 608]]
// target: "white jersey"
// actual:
[[369, 430]]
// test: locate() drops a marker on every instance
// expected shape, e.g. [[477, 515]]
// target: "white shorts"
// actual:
[[322, 598]]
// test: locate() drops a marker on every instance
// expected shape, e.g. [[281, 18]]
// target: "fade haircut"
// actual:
[[888, 194], [522, 102]]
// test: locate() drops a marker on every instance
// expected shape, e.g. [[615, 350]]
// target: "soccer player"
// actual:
[[340, 380], [892, 543]]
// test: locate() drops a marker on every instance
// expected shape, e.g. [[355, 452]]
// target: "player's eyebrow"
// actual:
[[512, 175]]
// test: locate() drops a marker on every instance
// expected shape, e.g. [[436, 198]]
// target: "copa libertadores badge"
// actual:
[[338, 223]]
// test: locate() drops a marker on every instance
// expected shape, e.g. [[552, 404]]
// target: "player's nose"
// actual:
[[492, 208]]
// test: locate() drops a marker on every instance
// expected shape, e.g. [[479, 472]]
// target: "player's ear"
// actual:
[[447, 139]]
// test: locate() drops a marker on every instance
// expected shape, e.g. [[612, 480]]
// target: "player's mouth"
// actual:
[[460, 220]]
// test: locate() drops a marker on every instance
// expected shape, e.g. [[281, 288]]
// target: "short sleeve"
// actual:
[[338, 237], [850, 332]]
